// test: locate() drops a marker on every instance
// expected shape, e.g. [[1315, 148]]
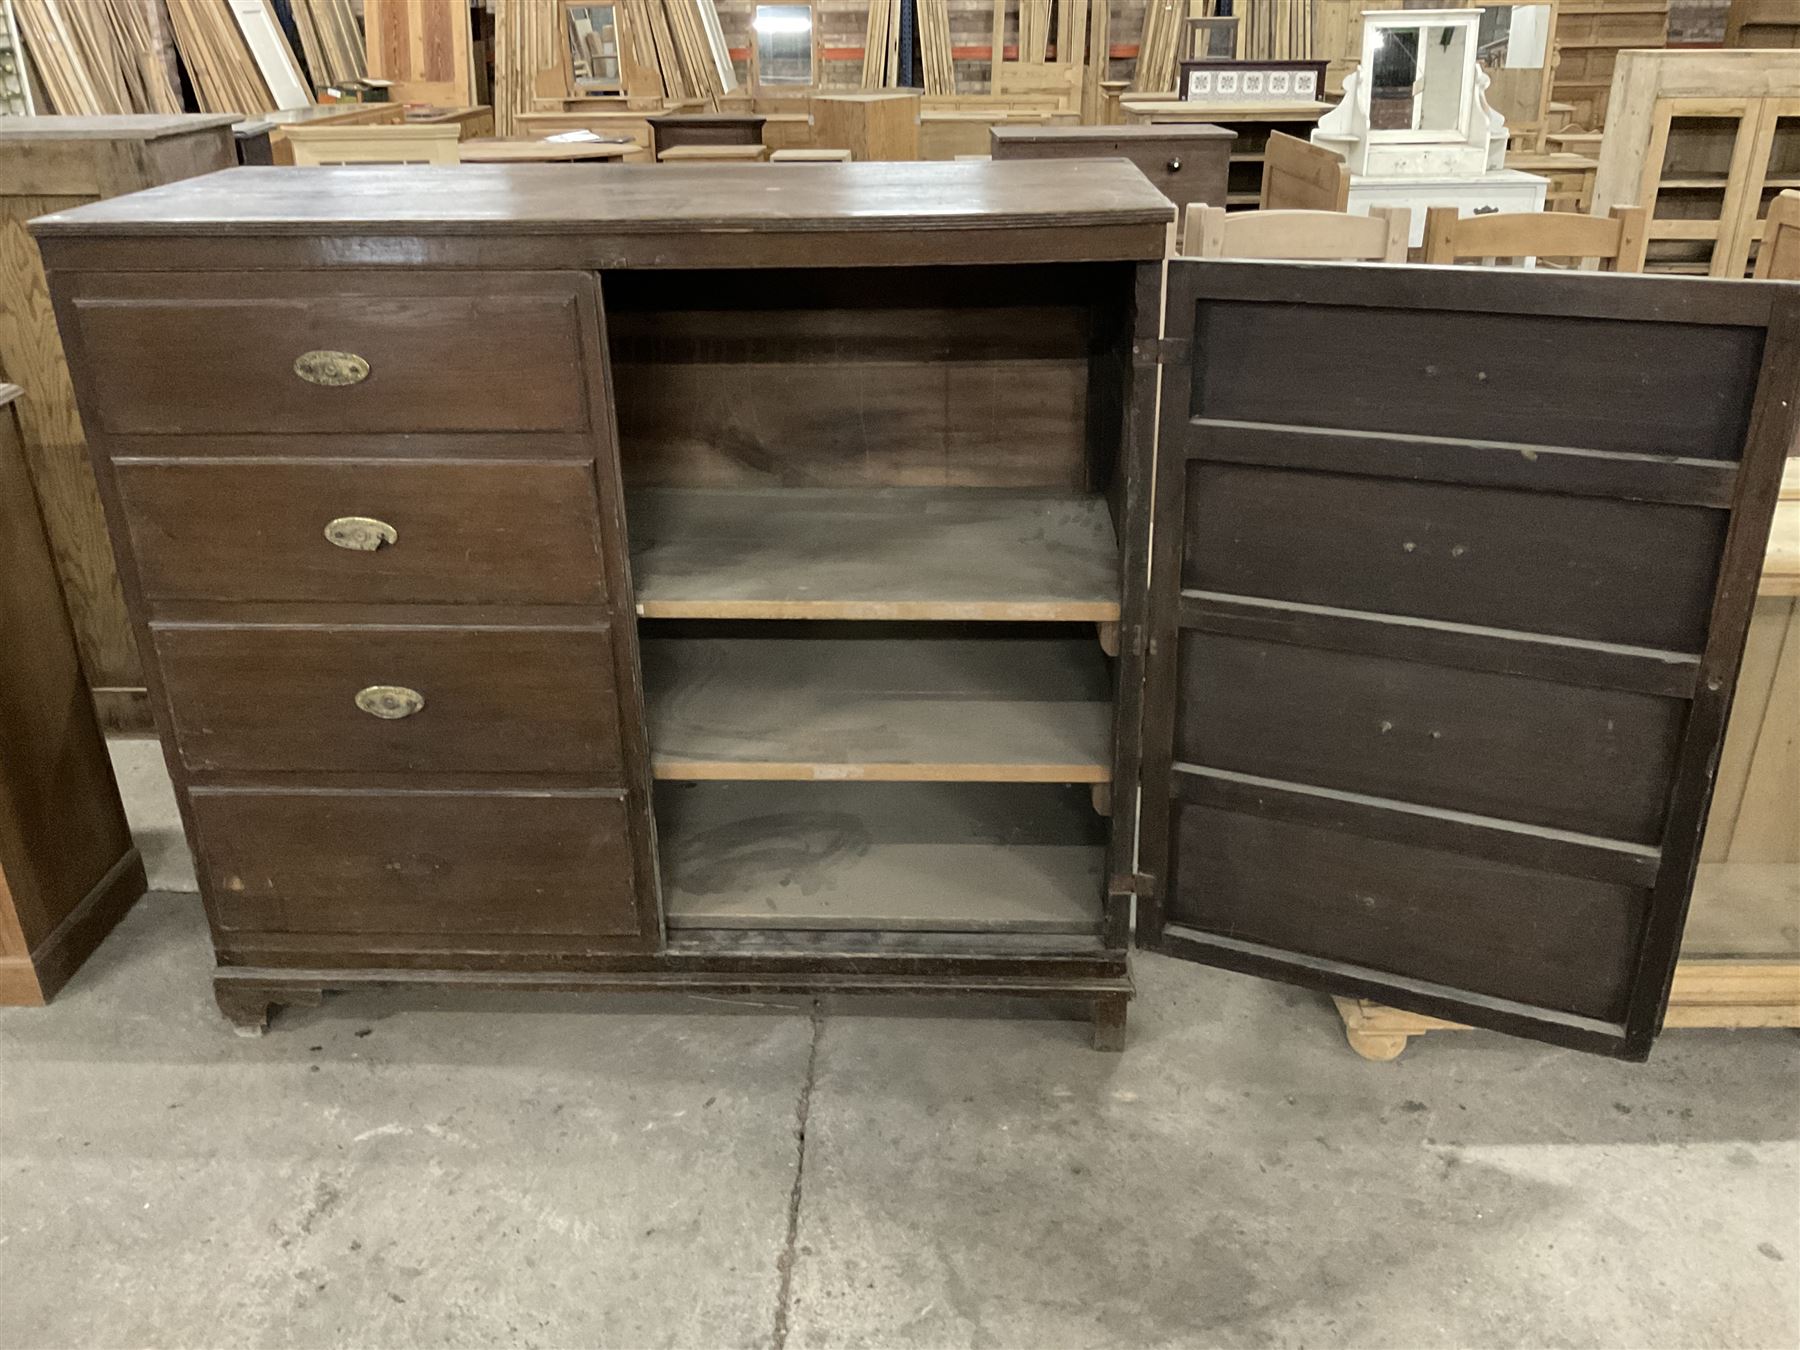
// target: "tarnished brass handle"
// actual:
[[1174, 166], [390, 702], [361, 534], [333, 369]]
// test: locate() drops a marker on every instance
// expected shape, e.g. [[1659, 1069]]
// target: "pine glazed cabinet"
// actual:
[[895, 578]]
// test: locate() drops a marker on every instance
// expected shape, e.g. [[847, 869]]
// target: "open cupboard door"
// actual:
[[1452, 570]]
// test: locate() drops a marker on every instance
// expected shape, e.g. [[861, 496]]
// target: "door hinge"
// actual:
[[1134, 883], [1162, 351]]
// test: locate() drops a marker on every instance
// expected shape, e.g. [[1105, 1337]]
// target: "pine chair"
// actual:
[[1617, 240], [400, 143], [1305, 236], [1778, 259], [1300, 175]]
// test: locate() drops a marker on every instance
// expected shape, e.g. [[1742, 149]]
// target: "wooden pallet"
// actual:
[[1705, 994]]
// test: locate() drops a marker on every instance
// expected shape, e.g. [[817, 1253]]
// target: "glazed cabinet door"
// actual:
[[1451, 576], [1699, 184], [1774, 168], [371, 533]]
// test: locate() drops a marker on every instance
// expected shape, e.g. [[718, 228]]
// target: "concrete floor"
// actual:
[[398, 1170]]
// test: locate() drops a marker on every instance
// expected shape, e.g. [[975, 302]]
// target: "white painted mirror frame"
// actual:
[[1476, 145]]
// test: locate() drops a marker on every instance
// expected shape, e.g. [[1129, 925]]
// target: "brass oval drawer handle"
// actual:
[[332, 369], [390, 702], [361, 534]]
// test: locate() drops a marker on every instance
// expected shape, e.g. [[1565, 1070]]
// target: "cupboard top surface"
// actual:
[[630, 199], [145, 127]]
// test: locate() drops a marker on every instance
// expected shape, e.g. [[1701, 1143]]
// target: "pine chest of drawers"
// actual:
[[875, 578]]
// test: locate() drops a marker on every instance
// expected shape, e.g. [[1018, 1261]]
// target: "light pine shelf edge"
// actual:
[[893, 554], [1744, 911], [893, 857], [988, 710]]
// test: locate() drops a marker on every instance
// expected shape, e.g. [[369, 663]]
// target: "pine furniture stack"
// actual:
[[1590, 36], [1704, 141]]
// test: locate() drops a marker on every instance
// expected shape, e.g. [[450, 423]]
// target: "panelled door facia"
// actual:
[[1451, 575]]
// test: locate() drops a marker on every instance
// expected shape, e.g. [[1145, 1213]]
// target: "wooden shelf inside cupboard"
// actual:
[[883, 553], [891, 857], [912, 708]]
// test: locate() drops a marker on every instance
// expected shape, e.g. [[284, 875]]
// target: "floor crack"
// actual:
[[784, 1265]]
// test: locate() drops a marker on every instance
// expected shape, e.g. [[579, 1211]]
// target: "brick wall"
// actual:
[[1697, 21]]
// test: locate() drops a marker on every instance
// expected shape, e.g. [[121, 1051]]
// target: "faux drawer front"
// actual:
[[1596, 761], [551, 863], [463, 533], [1183, 168], [1627, 386], [319, 352], [1423, 913], [499, 700], [1639, 573]]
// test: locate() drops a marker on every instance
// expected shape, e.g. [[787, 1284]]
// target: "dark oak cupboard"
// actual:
[[877, 579]]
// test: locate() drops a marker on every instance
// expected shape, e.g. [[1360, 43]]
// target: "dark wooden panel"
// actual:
[[1448, 732], [610, 251], [675, 129], [1186, 164], [1539, 292], [468, 533], [216, 353], [926, 377], [62, 827], [417, 862], [1583, 567], [496, 699], [1619, 384], [1535, 937], [1593, 761]]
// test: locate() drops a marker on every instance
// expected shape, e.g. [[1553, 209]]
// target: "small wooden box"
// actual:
[[869, 126]]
